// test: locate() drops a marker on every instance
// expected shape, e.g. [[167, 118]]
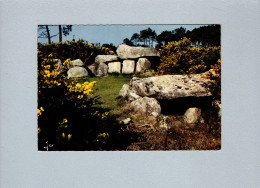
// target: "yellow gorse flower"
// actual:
[[67, 62], [69, 136], [65, 120], [81, 89], [80, 96], [39, 111]]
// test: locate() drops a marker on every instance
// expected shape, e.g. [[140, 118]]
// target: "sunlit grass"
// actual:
[[107, 88]]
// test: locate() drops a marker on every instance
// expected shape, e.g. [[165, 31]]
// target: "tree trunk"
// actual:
[[60, 33], [48, 34]]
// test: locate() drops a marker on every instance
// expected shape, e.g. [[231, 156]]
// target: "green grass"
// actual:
[[107, 88]]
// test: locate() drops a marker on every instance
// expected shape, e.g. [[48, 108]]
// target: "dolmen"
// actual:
[[146, 94], [129, 60]]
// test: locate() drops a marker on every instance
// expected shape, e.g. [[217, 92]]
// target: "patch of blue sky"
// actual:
[[114, 34]]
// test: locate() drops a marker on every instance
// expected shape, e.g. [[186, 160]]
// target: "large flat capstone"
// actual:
[[105, 58], [128, 52], [171, 86]]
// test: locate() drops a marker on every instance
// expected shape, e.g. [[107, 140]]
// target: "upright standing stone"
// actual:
[[128, 67], [102, 69], [142, 65], [114, 67]]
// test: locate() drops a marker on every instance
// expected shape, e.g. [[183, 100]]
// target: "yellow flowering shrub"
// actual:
[[67, 117], [215, 75], [67, 63], [179, 57], [40, 111]]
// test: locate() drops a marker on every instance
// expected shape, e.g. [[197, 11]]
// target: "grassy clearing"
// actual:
[[107, 89]]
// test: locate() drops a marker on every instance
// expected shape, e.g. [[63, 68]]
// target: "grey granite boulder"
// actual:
[[128, 67], [98, 69], [171, 86], [59, 64], [93, 69], [192, 115], [147, 106], [124, 90], [76, 63], [143, 65], [105, 58], [77, 72], [132, 96], [114, 67], [102, 69]]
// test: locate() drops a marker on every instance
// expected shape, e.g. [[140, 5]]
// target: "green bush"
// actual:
[[215, 75], [67, 117], [182, 58], [73, 50]]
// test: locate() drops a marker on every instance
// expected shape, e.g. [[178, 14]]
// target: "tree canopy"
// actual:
[[203, 36], [44, 32]]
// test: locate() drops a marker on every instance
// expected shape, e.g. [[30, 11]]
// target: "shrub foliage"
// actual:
[[67, 117], [182, 58], [215, 75], [72, 49]]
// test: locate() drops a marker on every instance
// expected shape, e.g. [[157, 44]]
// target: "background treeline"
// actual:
[[202, 36]]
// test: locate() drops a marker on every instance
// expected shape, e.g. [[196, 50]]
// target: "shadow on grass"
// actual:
[[88, 132]]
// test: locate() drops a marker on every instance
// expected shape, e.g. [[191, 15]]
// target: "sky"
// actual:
[[109, 33]]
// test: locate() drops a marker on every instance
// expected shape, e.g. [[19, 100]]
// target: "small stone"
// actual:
[[192, 115], [124, 90], [155, 114], [59, 64], [126, 121]]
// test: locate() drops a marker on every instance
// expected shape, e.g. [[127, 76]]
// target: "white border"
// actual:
[[236, 165]]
